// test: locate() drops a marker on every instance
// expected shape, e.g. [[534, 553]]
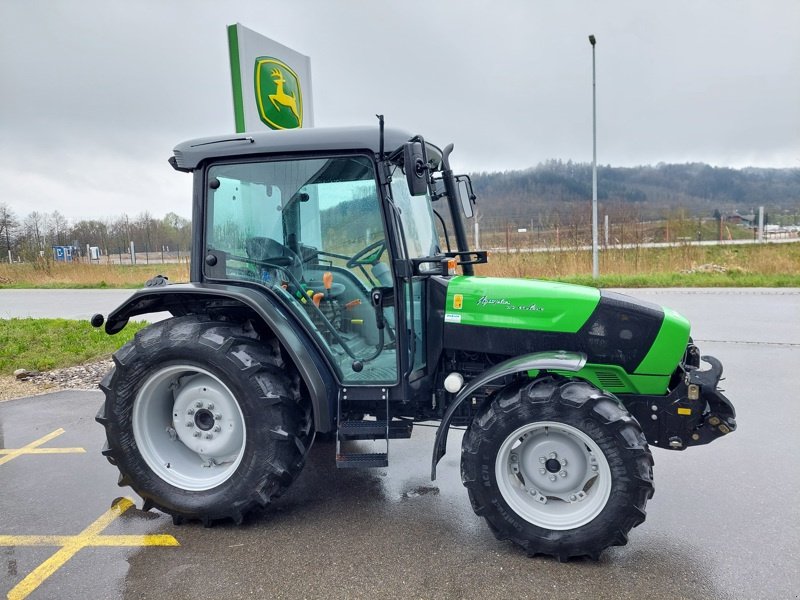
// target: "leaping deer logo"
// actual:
[[280, 97]]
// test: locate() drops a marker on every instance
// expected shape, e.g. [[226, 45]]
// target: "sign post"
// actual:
[[271, 83]]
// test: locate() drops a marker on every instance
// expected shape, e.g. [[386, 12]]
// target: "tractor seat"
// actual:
[[263, 248]]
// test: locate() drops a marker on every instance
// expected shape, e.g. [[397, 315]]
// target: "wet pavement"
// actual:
[[722, 524]]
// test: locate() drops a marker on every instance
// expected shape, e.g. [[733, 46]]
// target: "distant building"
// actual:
[[64, 253], [739, 219]]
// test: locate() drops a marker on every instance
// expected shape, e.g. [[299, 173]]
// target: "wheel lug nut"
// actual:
[[209, 436], [563, 473], [210, 406], [190, 412], [543, 471], [542, 459], [198, 404], [553, 455], [552, 477], [189, 423], [217, 428], [196, 434], [563, 462], [217, 416]]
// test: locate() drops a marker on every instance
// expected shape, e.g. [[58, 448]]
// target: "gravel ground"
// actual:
[[81, 377]]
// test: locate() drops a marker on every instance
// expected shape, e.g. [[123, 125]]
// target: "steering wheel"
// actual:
[[371, 255]]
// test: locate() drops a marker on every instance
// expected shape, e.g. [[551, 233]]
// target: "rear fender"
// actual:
[[540, 361], [193, 298]]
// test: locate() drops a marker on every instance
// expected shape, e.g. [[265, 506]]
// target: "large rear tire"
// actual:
[[203, 419], [558, 467]]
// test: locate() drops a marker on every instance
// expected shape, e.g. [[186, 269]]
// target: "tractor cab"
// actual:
[[341, 240]]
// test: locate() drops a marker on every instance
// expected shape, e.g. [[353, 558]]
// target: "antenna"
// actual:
[[380, 121]]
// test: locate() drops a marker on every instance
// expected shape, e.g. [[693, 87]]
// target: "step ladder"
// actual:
[[378, 430]]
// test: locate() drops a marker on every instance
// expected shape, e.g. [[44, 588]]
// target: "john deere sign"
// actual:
[[271, 83], [278, 94]]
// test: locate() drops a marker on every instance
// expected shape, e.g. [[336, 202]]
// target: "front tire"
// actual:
[[558, 467], [203, 419]]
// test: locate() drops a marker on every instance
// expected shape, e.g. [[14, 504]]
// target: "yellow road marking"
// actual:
[[33, 448], [45, 451], [106, 540], [71, 544]]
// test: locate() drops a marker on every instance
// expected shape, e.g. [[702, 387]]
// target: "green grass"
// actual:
[[757, 265], [43, 344], [748, 265], [696, 280], [50, 275]]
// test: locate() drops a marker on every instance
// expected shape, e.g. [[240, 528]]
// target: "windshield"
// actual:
[[313, 210], [311, 230], [417, 217]]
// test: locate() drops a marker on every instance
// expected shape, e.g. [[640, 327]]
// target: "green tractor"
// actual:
[[325, 301]]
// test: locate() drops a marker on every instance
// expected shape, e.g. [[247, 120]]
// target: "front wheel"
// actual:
[[558, 467]]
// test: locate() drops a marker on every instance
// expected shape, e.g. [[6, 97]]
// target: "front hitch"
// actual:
[[721, 416], [694, 413]]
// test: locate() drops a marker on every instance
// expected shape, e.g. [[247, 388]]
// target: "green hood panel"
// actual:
[[669, 345], [616, 332], [527, 304]]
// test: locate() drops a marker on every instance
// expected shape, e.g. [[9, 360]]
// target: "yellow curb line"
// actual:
[[32, 448], [71, 544]]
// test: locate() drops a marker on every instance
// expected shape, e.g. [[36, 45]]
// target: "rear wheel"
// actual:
[[203, 419], [558, 467]]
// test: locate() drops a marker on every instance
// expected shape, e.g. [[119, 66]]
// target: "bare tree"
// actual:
[[33, 241], [8, 227], [58, 227]]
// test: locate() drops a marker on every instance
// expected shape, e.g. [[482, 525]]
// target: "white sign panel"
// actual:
[[271, 83]]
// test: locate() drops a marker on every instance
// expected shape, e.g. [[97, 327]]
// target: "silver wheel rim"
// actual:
[[553, 475], [188, 427]]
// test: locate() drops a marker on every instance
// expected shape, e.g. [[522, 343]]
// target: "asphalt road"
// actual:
[[722, 524], [64, 304]]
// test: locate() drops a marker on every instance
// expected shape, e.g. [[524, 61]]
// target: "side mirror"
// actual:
[[415, 168], [464, 196]]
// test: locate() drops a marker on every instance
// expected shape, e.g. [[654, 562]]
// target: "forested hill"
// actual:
[[649, 190]]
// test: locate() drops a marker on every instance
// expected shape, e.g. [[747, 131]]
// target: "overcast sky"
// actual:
[[94, 94]]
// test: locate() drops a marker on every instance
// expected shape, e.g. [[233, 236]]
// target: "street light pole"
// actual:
[[595, 259]]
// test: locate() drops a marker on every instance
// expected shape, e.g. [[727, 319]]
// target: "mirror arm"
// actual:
[[455, 210], [444, 227]]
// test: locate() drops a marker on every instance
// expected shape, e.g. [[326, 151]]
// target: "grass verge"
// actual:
[[757, 265], [43, 344], [682, 265], [80, 275]]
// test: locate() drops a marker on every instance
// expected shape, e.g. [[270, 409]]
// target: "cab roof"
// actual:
[[188, 155]]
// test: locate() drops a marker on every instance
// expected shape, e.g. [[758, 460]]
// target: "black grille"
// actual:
[[621, 330]]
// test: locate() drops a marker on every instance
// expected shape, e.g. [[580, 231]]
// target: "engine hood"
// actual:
[[518, 316], [519, 304]]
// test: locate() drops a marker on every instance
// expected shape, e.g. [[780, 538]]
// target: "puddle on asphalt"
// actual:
[[423, 490]]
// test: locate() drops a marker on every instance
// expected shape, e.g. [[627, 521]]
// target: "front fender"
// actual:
[[188, 298], [559, 361]]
